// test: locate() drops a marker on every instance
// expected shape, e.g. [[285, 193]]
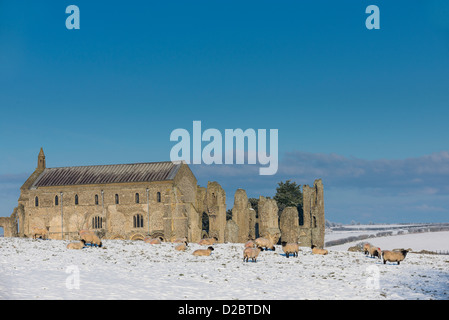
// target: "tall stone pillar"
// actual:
[[312, 231], [241, 215], [268, 218], [216, 210], [289, 225]]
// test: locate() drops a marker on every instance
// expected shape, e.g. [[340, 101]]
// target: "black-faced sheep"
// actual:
[[203, 252], [182, 246], [251, 253], [375, 252], [316, 250], [179, 240], [290, 248], [208, 241], [394, 256], [91, 238], [366, 248], [157, 240], [250, 244], [39, 232], [76, 245], [265, 243]]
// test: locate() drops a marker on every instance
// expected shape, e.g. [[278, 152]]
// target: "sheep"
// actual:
[[182, 246], [76, 245], [316, 250], [203, 252], [41, 232], [252, 253], [375, 252], [394, 256], [179, 240], [290, 248], [157, 240], [265, 243], [208, 241], [250, 244], [366, 248], [90, 237]]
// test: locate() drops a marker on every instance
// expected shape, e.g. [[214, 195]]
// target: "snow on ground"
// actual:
[[45, 269], [431, 241]]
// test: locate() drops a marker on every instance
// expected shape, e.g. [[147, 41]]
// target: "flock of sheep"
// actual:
[[386, 255], [251, 249]]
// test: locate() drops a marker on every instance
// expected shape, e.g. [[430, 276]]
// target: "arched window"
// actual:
[[97, 222], [116, 199], [138, 221], [96, 199], [137, 198], [36, 202], [158, 197], [56, 201], [76, 199]]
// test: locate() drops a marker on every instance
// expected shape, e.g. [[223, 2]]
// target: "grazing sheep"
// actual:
[[76, 245], [394, 256], [179, 240], [265, 243], [203, 252], [250, 244], [39, 232], [90, 237], [157, 240], [290, 248], [316, 250], [182, 246], [252, 253], [208, 241], [366, 248], [375, 252]]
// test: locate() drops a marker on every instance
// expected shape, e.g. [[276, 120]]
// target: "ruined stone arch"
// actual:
[[157, 234], [117, 237], [137, 236]]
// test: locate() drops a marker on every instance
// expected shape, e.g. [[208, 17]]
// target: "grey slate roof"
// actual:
[[104, 174]]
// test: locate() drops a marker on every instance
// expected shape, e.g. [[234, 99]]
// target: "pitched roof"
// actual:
[[104, 174]]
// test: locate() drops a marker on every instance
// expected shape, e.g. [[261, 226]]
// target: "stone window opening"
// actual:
[[36, 202], [116, 199], [56, 201], [138, 221], [96, 199], [158, 197], [137, 198], [97, 222], [76, 200]]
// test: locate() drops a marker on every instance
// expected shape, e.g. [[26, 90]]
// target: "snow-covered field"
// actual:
[[431, 241], [45, 269]]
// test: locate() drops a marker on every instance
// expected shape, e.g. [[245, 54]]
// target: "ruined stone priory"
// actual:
[[134, 201]]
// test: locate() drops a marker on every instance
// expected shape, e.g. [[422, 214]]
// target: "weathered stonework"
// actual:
[[166, 202], [268, 218], [289, 224], [312, 230], [215, 205], [241, 215], [231, 232]]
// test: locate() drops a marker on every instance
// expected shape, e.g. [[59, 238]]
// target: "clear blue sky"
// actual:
[[374, 102]]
